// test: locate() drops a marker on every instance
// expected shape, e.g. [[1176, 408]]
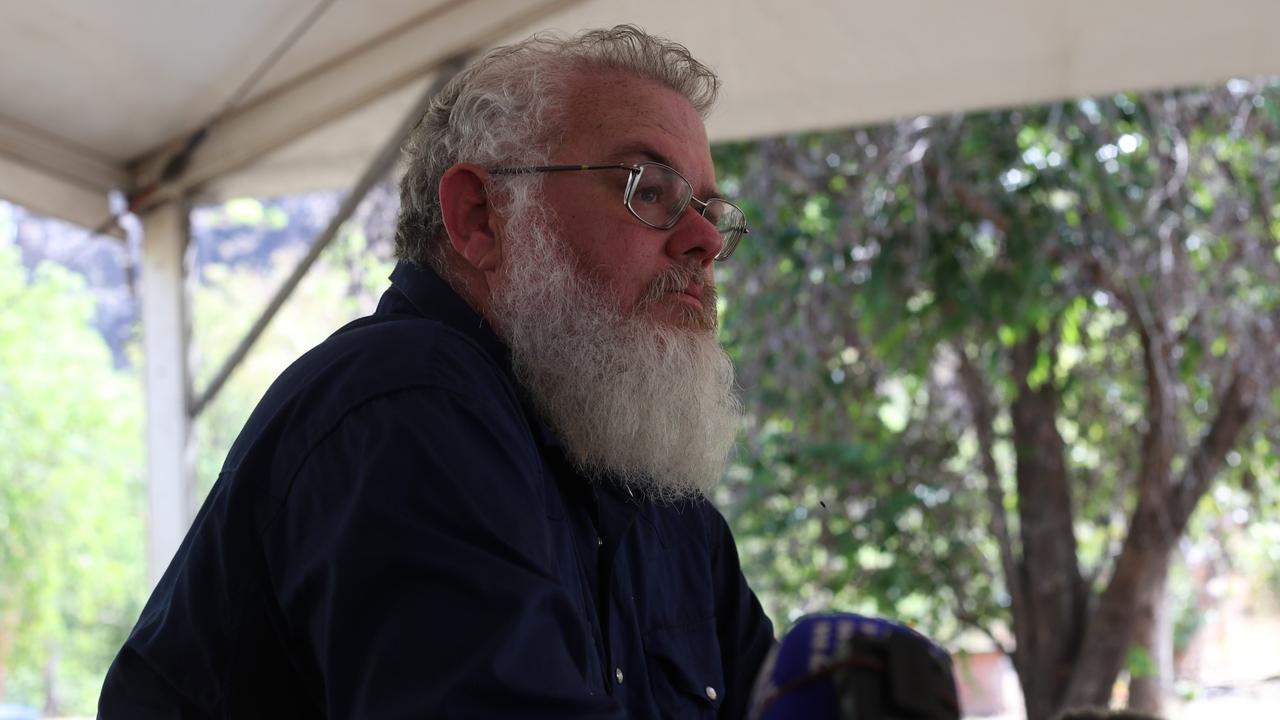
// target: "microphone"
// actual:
[[844, 667]]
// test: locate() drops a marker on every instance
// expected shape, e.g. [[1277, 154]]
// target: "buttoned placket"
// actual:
[[614, 515], [607, 516]]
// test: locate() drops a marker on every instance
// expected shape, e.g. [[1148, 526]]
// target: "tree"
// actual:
[[71, 499], [72, 495], [1029, 340]]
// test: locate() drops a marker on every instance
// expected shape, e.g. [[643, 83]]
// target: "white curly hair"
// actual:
[[505, 109]]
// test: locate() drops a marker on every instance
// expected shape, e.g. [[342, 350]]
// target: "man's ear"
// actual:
[[468, 217]]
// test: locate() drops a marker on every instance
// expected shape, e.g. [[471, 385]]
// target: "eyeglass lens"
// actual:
[[660, 195]]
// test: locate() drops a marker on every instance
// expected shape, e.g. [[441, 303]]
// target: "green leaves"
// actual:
[[71, 501], [1139, 663], [880, 251]]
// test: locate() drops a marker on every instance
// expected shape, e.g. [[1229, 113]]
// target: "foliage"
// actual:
[[72, 492], [941, 318], [72, 561]]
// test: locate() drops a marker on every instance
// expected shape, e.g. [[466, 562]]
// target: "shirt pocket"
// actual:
[[685, 670]]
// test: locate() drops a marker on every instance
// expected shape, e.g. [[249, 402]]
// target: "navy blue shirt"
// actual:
[[395, 534]]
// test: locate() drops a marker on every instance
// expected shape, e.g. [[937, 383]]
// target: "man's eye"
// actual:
[[649, 194]]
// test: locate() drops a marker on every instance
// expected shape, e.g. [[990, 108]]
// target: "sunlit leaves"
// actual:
[[71, 501], [881, 250]]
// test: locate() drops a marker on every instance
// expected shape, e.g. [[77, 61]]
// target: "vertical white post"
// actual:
[[164, 338]]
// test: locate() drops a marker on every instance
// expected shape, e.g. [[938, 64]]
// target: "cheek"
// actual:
[[616, 261], [623, 285]]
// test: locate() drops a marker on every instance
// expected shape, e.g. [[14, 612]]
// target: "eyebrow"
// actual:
[[647, 151]]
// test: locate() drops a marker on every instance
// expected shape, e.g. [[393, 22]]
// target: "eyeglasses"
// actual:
[[657, 196]]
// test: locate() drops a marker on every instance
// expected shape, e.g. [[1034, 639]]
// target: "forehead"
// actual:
[[615, 116]]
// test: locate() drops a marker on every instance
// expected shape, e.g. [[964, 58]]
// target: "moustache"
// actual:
[[676, 279]]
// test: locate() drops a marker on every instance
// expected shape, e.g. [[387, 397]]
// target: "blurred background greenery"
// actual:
[[1011, 377]]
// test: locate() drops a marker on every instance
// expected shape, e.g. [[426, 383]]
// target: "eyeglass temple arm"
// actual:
[[531, 169]]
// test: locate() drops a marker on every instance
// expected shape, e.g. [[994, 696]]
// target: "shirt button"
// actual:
[[618, 674], [711, 693]]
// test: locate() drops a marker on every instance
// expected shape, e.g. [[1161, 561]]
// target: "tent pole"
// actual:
[[165, 331]]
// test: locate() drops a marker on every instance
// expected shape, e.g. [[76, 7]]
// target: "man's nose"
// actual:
[[696, 237]]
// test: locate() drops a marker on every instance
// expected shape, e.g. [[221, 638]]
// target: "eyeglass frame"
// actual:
[[636, 170]]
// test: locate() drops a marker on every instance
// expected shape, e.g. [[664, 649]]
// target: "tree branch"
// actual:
[[1234, 410], [968, 618], [1161, 436], [970, 199], [983, 416], [1180, 160]]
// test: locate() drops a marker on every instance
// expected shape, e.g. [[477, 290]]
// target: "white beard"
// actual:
[[650, 404]]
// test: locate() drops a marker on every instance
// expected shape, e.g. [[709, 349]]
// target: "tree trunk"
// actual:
[[1055, 591], [52, 694], [1154, 530], [1110, 628], [983, 414], [1153, 634], [8, 626]]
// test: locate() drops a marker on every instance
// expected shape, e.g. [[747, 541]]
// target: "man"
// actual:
[[487, 499]]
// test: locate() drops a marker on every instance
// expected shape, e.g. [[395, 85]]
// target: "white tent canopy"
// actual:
[[96, 96]]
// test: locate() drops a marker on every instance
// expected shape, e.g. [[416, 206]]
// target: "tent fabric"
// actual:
[[93, 96]]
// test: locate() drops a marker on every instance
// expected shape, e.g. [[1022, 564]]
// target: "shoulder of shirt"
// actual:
[[367, 359], [374, 362]]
